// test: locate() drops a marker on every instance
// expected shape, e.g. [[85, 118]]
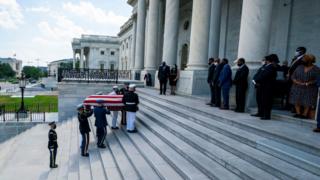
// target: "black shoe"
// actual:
[[265, 118], [256, 115], [114, 128], [210, 104], [102, 146], [132, 131], [85, 154], [54, 166]]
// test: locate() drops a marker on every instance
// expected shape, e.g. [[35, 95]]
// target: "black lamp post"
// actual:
[[22, 85]]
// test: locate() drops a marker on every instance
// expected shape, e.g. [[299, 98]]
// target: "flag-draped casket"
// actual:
[[112, 102]]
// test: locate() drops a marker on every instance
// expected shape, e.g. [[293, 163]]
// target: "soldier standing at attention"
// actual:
[[101, 123], [123, 91], [53, 144], [131, 101], [115, 91], [83, 114]]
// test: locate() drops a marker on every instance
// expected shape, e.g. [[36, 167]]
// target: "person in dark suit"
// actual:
[[101, 122], [241, 82], [264, 81], [216, 87], [297, 60], [163, 75], [123, 91], [210, 80], [225, 82], [53, 144]]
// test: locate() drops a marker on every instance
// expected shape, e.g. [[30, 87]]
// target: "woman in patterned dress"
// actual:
[[304, 90]]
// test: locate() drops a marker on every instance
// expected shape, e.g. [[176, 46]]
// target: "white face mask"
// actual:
[[215, 63], [297, 53]]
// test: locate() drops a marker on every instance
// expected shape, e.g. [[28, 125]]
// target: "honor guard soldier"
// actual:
[[131, 101], [101, 123], [53, 144], [115, 91], [83, 114], [123, 91]]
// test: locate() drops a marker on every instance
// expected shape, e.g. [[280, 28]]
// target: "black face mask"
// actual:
[[240, 64]]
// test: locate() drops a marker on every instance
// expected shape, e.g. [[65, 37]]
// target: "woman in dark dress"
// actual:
[[173, 78], [304, 90]]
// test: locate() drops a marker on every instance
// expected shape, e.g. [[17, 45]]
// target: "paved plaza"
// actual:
[[178, 138]]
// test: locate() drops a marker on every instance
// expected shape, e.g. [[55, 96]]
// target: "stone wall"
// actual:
[[11, 129]]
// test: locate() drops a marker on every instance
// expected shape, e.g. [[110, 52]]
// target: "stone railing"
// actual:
[[93, 75]]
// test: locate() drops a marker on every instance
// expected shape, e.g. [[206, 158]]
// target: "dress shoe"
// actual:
[[132, 131], [102, 146], [316, 130], [85, 154], [256, 115], [54, 166], [265, 118], [210, 104], [224, 108], [114, 128]]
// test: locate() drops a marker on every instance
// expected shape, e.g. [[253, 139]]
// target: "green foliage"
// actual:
[[6, 71], [32, 72]]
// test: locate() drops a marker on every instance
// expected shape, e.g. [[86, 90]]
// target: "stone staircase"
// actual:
[[178, 138]]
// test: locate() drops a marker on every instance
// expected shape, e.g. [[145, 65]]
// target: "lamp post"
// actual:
[[22, 112]]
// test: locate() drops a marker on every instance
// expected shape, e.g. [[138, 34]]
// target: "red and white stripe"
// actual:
[[112, 102]]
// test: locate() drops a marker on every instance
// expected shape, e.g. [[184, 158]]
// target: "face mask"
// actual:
[[297, 53], [239, 64], [215, 63]]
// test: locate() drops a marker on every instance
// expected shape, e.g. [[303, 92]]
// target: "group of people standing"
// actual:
[[220, 82], [166, 73], [301, 78]]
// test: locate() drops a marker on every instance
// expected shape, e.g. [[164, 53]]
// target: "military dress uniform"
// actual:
[[114, 113], [101, 124], [84, 130], [53, 146], [123, 91], [131, 101]]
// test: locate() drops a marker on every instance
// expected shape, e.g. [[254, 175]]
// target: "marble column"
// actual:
[[214, 35], [140, 41], [133, 44], [198, 58], [171, 27], [152, 40], [81, 58], [74, 59], [255, 30]]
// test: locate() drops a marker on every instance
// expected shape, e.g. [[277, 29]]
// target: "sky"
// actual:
[[40, 31]]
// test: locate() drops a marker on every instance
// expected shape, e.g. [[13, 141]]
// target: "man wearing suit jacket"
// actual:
[[163, 75], [225, 82], [210, 80], [241, 82], [264, 81], [216, 87]]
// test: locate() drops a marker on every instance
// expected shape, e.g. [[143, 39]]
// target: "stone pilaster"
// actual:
[[214, 35], [198, 58], [140, 41], [81, 58], [171, 28]]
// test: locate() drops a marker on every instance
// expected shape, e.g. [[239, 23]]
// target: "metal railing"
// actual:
[[35, 113], [93, 75]]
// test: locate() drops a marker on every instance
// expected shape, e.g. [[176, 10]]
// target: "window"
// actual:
[[101, 66], [127, 45], [102, 52], [112, 53], [111, 67]]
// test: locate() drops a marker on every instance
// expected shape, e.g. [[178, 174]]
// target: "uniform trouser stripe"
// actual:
[[52, 157], [87, 143], [104, 135]]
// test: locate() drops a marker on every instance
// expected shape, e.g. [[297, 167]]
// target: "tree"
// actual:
[[32, 72], [6, 71]]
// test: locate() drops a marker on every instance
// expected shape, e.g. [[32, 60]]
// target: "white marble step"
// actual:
[[260, 159], [110, 165], [141, 165], [73, 173], [84, 162], [126, 168], [184, 157], [226, 159], [300, 137], [162, 166], [295, 156], [97, 169]]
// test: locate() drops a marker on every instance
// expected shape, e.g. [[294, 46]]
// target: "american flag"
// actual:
[[112, 102]]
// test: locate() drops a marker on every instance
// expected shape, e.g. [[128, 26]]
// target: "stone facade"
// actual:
[[96, 52], [192, 31], [15, 64], [54, 65]]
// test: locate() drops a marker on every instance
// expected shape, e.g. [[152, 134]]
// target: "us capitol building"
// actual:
[[187, 33]]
